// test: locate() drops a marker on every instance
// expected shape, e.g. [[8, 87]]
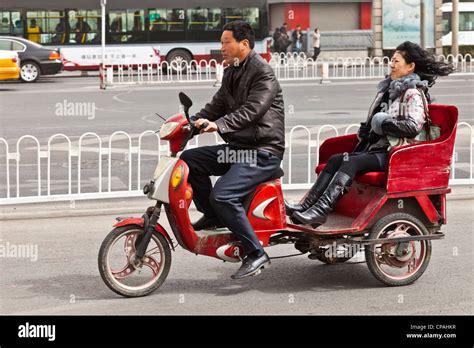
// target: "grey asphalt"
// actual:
[[31, 108], [65, 279]]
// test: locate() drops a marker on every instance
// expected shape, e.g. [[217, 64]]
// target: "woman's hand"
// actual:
[[364, 130]]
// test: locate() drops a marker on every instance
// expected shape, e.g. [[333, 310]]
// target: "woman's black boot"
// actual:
[[312, 196], [317, 214]]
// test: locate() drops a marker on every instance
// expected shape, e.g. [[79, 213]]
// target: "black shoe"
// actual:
[[251, 265], [317, 214], [205, 223], [312, 196]]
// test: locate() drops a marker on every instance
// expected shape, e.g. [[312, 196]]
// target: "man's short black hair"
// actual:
[[241, 31]]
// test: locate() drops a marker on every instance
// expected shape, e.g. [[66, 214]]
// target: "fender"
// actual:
[[139, 222]]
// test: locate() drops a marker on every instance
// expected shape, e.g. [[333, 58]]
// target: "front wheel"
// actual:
[[126, 275], [397, 264]]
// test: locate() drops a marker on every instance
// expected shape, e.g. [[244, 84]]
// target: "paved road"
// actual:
[[65, 280], [41, 110], [32, 109]]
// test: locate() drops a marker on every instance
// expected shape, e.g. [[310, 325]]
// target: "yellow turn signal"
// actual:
[[177, 177]]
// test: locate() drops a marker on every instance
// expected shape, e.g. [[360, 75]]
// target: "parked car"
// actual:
[[9, 65], [36, 60]]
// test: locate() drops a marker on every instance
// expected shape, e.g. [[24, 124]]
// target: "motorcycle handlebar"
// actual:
[[203, 126]]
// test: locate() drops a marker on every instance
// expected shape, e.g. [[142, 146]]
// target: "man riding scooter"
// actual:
[[248, 112]]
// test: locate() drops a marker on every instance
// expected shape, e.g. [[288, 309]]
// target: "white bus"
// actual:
[[137, 31]]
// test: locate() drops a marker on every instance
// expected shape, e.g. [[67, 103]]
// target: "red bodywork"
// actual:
[[207, 242], [139, 222], [417, 177], [177, 138]]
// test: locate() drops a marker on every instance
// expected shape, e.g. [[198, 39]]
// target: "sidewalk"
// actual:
[[136, 206]]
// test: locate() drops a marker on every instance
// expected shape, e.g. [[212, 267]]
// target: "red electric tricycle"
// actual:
[[392, 216]]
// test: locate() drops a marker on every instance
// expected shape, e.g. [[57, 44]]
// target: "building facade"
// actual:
[[362, 27]]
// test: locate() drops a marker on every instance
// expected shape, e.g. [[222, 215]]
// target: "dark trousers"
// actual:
[[237, 180], [317, 50], [354, 164]]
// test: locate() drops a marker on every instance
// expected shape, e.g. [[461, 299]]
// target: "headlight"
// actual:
[[167, 129]]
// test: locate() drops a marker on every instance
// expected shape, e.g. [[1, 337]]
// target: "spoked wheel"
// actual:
[[397, 264], [29, 72], [123, 273]]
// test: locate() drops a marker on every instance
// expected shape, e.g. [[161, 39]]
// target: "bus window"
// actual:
[[84, 26], [127, 26], [46, 26], [247, 14], [166, 19], [10, 23], [56, 26], [34, 26], [203, 19]]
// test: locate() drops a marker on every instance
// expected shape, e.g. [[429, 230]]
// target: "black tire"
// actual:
[[174, 57], [29, 71], [415, 227], [108, 278]]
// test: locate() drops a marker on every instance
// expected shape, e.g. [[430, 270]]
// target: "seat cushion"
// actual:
[[372, 178]]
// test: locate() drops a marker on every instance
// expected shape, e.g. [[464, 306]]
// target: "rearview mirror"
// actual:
[[185, 100]]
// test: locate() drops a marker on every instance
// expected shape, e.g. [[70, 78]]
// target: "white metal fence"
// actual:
[[289, 66], [193, 71], [40, 186]]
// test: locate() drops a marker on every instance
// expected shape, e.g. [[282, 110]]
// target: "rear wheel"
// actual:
[[179, 60], [397, 264], [29, 72], [126, 275]]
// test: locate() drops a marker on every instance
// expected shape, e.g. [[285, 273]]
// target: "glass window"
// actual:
[[446, 23], [131, 22], [10, 23], [166, 19], [46, 26], [16, 46], [247, 14], [204, 19], [36, 21], [466, 20], [84, 26], [5, 45]]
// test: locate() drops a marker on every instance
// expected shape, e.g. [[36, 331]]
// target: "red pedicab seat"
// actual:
[[419, 166], [418, 172]]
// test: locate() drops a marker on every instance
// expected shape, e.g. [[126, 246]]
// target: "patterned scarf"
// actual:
[[397, 87]]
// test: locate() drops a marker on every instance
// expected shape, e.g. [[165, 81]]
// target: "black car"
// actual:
[[36, 60]]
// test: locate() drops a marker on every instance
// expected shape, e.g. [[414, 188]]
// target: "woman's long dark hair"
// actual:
[[426, 65]]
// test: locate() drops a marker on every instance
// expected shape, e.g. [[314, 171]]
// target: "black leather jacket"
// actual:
[[248, 108]]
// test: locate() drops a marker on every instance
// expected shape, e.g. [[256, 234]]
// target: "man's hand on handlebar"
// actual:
[[205, 126]]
